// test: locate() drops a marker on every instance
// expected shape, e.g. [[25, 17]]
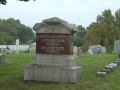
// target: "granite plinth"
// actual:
[[53, 68], [53, 73]]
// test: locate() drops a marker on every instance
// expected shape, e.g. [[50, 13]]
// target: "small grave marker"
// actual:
[[2, 59]]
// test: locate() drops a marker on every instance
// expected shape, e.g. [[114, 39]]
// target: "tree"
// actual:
[[89, 27], [104, 31], [117, 18], [5, 1], [12, 29], [79, 36]]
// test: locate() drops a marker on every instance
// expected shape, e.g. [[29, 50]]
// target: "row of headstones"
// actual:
[[8, 51], [4, 50], [2, 59], [92, 49], [108, 68]]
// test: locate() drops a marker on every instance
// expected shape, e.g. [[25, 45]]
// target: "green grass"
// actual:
[[12, 74]]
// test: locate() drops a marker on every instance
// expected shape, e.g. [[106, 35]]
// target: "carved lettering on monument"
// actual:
[[50, 61], [53, 44], [52, 29]]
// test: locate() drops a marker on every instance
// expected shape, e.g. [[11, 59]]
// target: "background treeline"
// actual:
[[104, 31], [12, 29]]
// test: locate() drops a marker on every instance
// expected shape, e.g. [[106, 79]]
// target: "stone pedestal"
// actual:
[[53, 68], [52, 74]]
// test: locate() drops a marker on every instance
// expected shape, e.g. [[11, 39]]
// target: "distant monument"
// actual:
[[33, 47], [54, 60], [75, 49], [17, 46]]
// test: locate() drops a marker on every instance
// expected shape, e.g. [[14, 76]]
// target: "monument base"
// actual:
[[53, 68], [53, 73]]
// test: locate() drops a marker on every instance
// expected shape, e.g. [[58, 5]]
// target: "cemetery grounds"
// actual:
[[12, 74]]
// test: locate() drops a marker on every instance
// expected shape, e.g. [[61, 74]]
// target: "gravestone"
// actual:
[[106, 70], [75, 49], [53, 60], [93, 48], [103, 49], [116, 47], [17, 46], [3, 50], [2, 59], [7, 50], [79, 52], [90, 52], [33, 47]]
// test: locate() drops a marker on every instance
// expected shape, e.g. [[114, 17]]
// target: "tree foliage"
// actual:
[[105, 30], [79, 36], [5, 1], [12, 29]]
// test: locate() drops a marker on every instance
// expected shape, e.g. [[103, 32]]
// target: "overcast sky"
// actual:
[[79, 12]]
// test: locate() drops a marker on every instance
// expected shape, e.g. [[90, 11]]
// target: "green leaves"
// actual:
[[105, 30], [12, 29], [5, 1], [79, 37]]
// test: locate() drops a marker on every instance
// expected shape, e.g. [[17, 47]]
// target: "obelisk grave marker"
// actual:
[[54, 60], [17, 46]]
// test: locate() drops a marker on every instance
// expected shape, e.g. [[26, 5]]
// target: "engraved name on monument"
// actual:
[[53, 44]]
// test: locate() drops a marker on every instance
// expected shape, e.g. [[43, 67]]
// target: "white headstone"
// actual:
[[17, 46], [33, 47], [75, 49], [103, 49], [93, 48], [90, 52]]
